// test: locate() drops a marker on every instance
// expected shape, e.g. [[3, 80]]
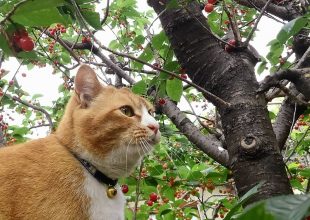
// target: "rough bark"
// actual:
[[287, 116], [287, 12], [251, 142]]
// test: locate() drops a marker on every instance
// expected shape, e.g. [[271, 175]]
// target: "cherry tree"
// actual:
[[201, 53]]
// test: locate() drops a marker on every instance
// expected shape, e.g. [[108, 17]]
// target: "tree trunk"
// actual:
[[251, 143]]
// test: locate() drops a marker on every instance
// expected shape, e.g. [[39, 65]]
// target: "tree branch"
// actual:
[[246, 43], [284, 12], [37, 108], [300, 78], [207, 143]]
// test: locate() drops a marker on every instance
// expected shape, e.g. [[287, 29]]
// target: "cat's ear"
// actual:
[[87, 85]]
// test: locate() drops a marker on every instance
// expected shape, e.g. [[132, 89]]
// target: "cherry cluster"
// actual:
[[21, 41], [59, 28]]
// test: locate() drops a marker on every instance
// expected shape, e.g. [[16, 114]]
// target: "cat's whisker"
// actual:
[[126, 155], [142, 146], [147, 145]]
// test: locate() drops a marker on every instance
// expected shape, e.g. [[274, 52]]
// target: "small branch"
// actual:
[[209, 144], [298, 143], [233, 23], [246, 43], [37, 108], [296, 76], [39, 126], [106, 14], [137, 192], [200, 122]]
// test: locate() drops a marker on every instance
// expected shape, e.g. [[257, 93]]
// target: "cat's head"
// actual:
[[111, 128]]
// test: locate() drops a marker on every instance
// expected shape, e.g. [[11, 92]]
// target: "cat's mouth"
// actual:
[[155, 138]]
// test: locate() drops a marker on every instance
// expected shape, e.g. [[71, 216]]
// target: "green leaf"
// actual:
[[36, 96], [164, 209], [183, 171], [282, 36], [291, 207], [39, 13], [147, 55], [305, 172], [79, 2], [27, 55], [139, 39], [256, 212], [4, 45], [139, 87], [158, 40], [168, 192], [174, 89], [295, 25], [156, 170], [173, 4], [65, 57], [242, 200], [261, 68], [291, 28], [92, 18]]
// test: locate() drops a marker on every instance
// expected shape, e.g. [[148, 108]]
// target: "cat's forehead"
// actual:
[[125, 96]]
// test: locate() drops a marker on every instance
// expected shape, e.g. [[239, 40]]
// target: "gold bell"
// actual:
[[111, 192]]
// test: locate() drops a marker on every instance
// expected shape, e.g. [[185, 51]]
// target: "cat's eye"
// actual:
[[127, 110]]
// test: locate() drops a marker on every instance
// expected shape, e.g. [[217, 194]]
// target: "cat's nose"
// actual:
[[154, 128]]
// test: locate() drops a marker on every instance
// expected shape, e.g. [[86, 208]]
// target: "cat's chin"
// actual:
[[154, 139]]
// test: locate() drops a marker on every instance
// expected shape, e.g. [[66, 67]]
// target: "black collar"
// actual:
[[102, 178]]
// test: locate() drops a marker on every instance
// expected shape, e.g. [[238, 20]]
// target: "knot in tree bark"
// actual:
[[249, 144]]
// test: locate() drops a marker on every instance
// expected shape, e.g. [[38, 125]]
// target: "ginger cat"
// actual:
[[104, 131]]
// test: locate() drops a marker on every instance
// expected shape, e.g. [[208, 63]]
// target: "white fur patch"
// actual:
[[101, 207], [147, 119]]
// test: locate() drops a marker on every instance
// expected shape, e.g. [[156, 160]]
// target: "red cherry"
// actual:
[[149, 203], [153, 197], [156, 65], [212, 1], [125, 188], [162, 101], [1, 117], [209, 7], [184, 76], [85, 40], [26, 44], [1, 93], [11, 82], [16, 37]]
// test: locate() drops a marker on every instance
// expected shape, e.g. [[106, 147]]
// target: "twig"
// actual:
[[47, 115], [106, 14], [198, 118], [233, 25], [298, 143], [214, 99], [292, 96], [39, 126], [246, 43], [137, 192]]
